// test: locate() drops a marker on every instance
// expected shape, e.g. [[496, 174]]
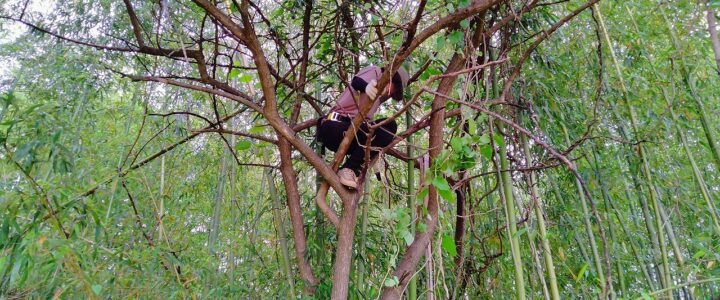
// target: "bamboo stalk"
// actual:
[[566, 220], [217, 206], [540, 217], [683, 139], [633, 245], [648, 224], [536, 269], [282, 232], [538, 266], [586, 218], [641, 152], [685, 72], [363, 237], [412, 286], [161, 197], [606, 198], [506, 195], [235, 215]]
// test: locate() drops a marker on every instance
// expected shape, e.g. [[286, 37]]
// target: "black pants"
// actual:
[[331, 134]]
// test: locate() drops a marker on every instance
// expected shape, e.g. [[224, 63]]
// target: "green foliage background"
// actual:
[[70, 125]]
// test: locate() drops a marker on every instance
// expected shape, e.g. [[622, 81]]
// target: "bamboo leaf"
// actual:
[[581, 273]]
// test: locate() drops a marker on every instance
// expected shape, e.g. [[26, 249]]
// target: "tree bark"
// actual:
[[412, 256], [343, 253], [415, 251], [296, 218], [712, 29]]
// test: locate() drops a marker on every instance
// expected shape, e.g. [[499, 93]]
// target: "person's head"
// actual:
[[397, 86]]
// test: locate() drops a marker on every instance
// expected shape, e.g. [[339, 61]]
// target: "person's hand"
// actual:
[[370, 89]]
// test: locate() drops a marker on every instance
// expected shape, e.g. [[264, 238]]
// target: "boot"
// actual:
[[348, 178]]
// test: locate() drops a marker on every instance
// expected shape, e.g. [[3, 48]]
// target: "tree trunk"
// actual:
[[296, 218], [343, 252], [412, 256], [712, 29], [411, 199]]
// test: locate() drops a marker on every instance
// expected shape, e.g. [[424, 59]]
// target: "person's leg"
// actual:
[[385, 134], [356, 152], [381, 138], [331, 133]]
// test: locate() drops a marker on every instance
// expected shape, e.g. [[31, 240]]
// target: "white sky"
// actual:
[[13, 30]]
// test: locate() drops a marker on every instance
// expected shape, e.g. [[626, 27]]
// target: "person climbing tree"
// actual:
[[335, 123]]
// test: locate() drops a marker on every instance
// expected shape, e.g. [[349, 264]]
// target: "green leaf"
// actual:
[[96, 288], [421, 227], [245, 78], [581, 273], [440, 43], [472, 126], [447, 195], [456, 143], [520, 232], [456, 37], [450, 7], [486, 151], [243, 145], [440, 183], [465, 24], [257, 129], [499, 140], [423, 193], [483, 139], [448, 245], [699, 254], [391, 282], [408, 237], [402, 217], [234, 73]]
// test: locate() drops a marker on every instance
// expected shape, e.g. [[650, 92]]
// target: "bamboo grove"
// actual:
[[547, 149]]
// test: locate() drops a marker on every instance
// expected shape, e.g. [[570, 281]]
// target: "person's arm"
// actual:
[[365, 82], [361, 85], [358, 84]]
